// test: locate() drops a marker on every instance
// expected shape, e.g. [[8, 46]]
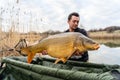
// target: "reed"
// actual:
[[105, 35]]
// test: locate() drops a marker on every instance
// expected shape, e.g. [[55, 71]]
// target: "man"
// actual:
[[73, 21]]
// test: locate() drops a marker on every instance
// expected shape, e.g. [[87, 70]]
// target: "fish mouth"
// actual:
[[97, 46]]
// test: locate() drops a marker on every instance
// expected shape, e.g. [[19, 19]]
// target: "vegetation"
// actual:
[[105, 35], [107, 29], [112, 44]]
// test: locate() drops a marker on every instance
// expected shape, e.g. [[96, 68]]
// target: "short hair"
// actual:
[[73, 14]]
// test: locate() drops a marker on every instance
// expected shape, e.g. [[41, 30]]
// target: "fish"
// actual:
[[61, 46]]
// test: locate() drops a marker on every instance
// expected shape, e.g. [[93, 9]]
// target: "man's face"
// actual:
[[73, 22]]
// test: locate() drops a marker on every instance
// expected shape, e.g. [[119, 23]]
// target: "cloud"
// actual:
[[100, 14], [43, 15]]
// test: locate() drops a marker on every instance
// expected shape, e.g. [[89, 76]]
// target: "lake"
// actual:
[[106, 55]]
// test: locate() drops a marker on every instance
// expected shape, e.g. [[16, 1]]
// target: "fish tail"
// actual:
[[29, 53]]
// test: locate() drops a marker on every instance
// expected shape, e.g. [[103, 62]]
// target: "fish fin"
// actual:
[[57, 60], [74, 50], [29, 53], [64, 60], [61, 59], [30, 57]]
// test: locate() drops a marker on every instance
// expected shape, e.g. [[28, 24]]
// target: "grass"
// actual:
[[105, 35]]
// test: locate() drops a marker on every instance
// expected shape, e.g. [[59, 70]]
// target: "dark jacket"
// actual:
[[85, 56]]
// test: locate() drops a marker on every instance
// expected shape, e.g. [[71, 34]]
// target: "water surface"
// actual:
[[106, 55]]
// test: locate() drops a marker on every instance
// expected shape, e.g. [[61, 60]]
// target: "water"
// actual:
[[106, 55]]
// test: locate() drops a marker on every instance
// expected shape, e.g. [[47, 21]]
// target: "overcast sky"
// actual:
[[43, 15]]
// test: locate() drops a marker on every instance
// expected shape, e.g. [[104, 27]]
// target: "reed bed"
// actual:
[[105, 35]]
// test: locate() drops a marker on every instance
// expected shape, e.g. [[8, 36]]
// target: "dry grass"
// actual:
[[8, 40], [105, 35]]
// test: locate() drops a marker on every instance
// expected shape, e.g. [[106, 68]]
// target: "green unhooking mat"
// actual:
[[16, 68]]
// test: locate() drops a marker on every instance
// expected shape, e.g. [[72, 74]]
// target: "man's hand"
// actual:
[[78, 53], [44, 52]]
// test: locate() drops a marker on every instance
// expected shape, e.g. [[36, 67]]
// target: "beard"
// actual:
[[73, 28]]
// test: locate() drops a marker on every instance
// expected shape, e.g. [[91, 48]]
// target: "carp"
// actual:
[[61, 46]]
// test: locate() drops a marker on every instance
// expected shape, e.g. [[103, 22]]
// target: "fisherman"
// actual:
[[73, 21]]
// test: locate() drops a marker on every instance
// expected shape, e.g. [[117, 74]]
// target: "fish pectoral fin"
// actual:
[[57, 60], [63, 60], [71, 53], [60, 59], [30, 57]]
